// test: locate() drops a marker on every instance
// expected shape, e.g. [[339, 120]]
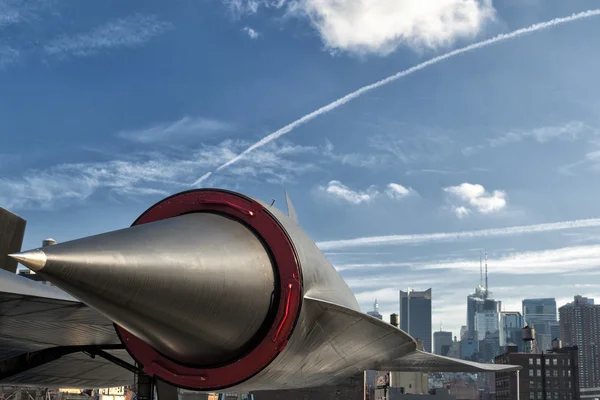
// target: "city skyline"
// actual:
[[441, 327], [515, 304]]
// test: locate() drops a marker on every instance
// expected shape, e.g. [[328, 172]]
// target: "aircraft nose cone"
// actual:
[[35, 260], [197, 287]]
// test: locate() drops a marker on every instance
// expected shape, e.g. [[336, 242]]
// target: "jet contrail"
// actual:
[[351, 96], [454, 236]]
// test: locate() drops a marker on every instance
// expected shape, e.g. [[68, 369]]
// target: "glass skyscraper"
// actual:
[[415, 315]]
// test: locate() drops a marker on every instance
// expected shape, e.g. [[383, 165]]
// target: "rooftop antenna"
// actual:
[[486, 276], [480, 270]]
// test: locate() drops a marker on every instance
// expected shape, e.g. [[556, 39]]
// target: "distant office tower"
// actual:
[[464, 332], [555, 330], [454, 350], [549, 376], [415, 315], [489, 346], [469, 349], [511, 323], [580, 326], [487, 318], [375, 312], [442, 341], [540, 314], [474, 302]]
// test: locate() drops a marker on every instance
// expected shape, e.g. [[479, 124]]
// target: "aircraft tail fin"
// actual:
[[12, 230], [291, 210]]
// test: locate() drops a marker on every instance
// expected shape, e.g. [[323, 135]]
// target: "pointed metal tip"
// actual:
[[35, 260]]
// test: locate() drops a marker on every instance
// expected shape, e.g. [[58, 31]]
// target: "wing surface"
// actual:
[[377, 345], [426, 362], [35, 317]]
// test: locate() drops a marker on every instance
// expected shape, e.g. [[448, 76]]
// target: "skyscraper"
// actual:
[[475, 301], [487, 318], [511, 323], [442, 341], [375, 313], [415, 315], [473, 304], [540, 314], [580, 326]]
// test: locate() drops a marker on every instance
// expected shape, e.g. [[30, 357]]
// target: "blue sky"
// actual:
[[108, 107]]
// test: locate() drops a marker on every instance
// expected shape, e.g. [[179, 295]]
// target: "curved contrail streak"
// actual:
[[359, 92]]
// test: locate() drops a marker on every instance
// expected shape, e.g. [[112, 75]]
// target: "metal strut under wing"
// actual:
[[383, 347]]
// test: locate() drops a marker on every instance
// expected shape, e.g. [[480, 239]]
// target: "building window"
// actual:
[[568, 361], [531, 361], [555, 362], [568, 372], [555, 372], [547, 361], [539, 372], [547, 372], [531, 395], [530, 372], [539, 361]]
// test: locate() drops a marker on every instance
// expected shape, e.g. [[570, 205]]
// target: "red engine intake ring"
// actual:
[[286, 262]]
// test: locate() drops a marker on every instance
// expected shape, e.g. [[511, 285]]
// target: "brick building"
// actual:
[[545, 376]]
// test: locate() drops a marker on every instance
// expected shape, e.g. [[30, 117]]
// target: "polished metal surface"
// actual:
[[12, 230], [319, 277], [421, 361], [35, 260], [333, 343], [196, 287]]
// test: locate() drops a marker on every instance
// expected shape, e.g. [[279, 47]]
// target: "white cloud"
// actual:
[[397, 192], [241, 7], [14, 12], [338, 190], [590, 162], [555, 261], [380, 26], [409, 144], [461, 211], [251, 32], [148, 174], [8, 55], [476, 198], [569, 131], [354, 159], [456, 236], [9, 13], [131, 31], [196, 128]]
